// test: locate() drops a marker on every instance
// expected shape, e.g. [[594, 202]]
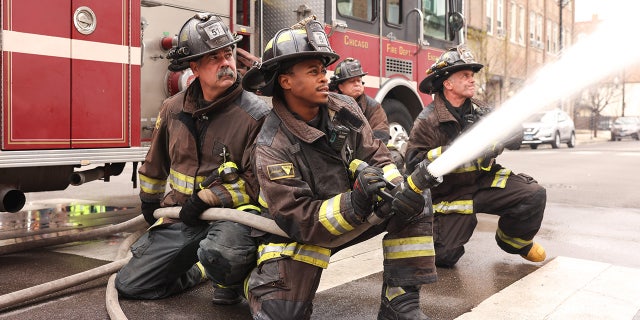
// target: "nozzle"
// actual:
[[422, 179]]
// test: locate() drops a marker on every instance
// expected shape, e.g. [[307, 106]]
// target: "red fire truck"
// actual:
[[82, 80]]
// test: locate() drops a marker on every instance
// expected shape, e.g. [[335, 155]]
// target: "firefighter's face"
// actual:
[[461, 84], [306, 83], [353, 87], [216, 70]]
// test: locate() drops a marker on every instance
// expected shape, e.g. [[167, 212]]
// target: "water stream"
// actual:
[[597, 56]]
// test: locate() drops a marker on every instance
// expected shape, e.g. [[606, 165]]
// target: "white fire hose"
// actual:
[[113, 307]]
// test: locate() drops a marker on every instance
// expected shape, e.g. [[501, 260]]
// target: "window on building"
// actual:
[[359, 9], [513, 22], [500, 15], [434, 18], [521, 24], [489, 16], [555, 38], [393, 11], [548, 33], [539, 31], [532, 28]]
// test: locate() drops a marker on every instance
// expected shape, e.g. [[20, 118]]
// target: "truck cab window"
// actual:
[[359, 9], [393, 11], [434, 18]]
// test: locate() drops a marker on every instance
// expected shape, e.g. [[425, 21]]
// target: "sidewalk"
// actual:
[[567, 288], [586, 136]]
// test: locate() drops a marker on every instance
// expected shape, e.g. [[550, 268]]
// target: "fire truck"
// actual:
[[83, 80]]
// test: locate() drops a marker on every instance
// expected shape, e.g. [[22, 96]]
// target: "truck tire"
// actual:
[[397, 113]]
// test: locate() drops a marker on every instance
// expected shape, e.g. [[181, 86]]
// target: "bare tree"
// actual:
[[597, 98]]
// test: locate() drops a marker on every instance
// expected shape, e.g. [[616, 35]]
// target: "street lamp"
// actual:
[[561, 5]]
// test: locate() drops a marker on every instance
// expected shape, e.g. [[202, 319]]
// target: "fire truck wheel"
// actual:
[[397, 113]]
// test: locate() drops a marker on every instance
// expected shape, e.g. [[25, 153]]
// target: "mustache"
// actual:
[[226, 72]]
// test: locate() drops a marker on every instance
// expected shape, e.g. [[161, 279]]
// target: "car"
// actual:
[[625, 127], [550, 127]]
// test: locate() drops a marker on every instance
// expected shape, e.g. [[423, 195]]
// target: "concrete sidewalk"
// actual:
[[567, 288], [587, 136]]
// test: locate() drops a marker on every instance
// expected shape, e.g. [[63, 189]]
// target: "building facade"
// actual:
[[514, 39]]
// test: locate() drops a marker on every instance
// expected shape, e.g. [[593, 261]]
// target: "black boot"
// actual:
[[225, 296], [404, 304]]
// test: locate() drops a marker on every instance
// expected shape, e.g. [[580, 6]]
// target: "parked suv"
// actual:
[[625, 127], [551, 127]]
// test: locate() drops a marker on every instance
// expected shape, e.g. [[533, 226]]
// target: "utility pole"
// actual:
[[561, 5]]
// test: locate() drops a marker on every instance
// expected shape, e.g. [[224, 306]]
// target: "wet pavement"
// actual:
[[486, 284], [592, 272]]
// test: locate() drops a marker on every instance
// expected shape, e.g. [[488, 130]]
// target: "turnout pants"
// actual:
[[520, 203], [284, 285], [164, 259]]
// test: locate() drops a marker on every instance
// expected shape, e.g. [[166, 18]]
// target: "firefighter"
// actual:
[[201, 147], [302, 153], [479, 186], [347, 80]]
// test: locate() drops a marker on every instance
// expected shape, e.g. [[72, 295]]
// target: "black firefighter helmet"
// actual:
[[453, 60], [345, 70], [202, 34], [304, 40]]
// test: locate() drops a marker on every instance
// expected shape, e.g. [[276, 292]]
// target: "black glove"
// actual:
[[489, 154], [421, 179], [367, 184], [191, 211], [147, 211], [407, 203]]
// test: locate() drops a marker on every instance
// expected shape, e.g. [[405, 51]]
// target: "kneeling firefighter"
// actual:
[[302, 159]]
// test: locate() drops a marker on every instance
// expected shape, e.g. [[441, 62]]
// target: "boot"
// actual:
[[404, 304], [225, 296], [535, 253]]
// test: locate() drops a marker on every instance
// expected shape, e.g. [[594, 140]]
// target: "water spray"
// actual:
[[600, 54]]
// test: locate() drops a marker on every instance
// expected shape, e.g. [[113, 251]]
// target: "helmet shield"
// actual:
[[202, 34], [305, 40], [453, 60]]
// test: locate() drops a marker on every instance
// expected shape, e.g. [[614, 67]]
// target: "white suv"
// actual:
[[551, 127]]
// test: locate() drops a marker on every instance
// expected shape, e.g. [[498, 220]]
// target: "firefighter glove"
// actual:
[[191, 211], [368, 182], [147, 211], [407, 203], [490, 153], [217, 196]]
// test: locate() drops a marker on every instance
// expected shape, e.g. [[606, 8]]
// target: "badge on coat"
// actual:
[[280, 171]]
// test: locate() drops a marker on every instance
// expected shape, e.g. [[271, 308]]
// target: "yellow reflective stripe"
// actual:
[[512, 241], [331, 217], [201, 268], [467, 167], [181, 182], [238, 192], [408, 247], [458, 206], [393, 292], [313, 255], [353, 166], [152, 186], [261, 200], [199, 180], [413, 186], [434, 153], [247, 207], [500, 180], [391, 172]]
